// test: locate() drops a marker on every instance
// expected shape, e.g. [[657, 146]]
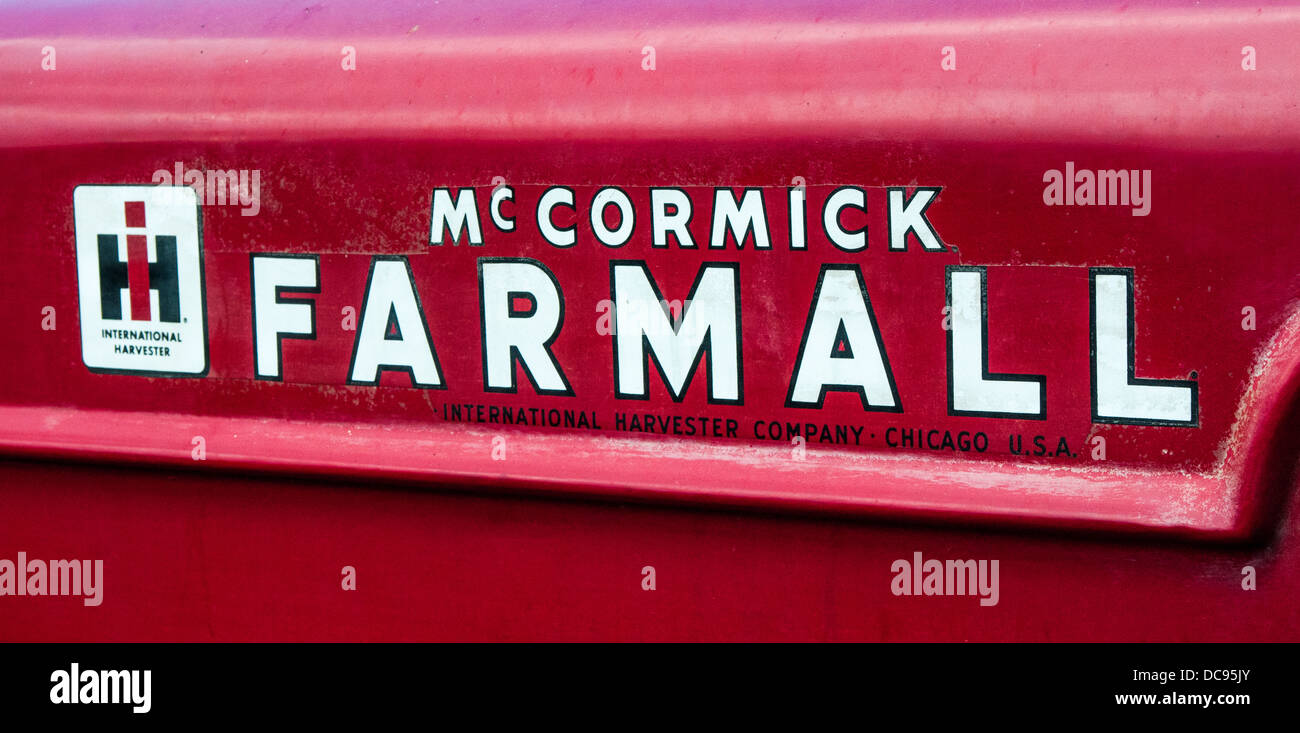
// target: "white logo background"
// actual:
[[169, 210]]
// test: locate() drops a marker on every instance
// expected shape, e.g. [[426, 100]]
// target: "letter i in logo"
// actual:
[[140, 280]]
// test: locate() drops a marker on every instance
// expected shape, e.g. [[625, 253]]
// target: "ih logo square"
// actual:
[[140, 280]]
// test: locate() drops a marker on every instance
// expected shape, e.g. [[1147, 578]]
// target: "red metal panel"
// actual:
[[765, 97], [195, 557]]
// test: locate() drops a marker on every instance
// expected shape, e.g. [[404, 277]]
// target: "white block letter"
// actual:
[[972, 389], [275, 319], [710, 324], [393, 333], [1118, 396], [526, 337], [842, 350]]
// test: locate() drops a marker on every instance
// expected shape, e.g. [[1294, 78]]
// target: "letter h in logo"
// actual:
[[138, 274]]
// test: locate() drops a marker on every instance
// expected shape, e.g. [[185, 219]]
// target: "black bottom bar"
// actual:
[[208, 683]]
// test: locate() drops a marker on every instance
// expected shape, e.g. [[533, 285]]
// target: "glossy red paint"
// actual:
[[845, 96]]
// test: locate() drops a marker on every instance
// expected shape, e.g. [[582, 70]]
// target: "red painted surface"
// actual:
[[854, 96], [190, 556]]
